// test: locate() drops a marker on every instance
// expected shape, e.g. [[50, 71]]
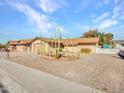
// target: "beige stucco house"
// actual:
[[47, 45], [77, 44], [20, 45], [39, 43]]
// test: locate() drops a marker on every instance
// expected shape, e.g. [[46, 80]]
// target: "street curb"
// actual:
[[11, 86]]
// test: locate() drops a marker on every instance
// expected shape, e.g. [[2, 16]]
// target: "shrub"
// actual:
[[85, 51], [39, 51]]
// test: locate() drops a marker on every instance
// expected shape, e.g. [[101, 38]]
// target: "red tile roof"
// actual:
[[73, 41], [12, 42], [20, 42], [76, 41]]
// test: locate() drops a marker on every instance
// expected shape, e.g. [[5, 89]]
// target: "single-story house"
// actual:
[[44, 44], [119, 44], [12, 45], [20, 45], [47, 44], [76, 44]]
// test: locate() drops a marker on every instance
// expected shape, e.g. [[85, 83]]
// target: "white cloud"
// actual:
[[40, 21], [1, 3], [108, 23], [106, 2], [84, 27], [115, 15], [121, 17], [103, 16], [50, 6], [99, 4], [121, 27], [116, 1], [117, 10], [102, 3]]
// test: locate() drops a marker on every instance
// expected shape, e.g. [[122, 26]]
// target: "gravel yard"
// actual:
[[104, 72]]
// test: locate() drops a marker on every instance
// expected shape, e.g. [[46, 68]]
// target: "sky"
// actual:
[[21, 19]]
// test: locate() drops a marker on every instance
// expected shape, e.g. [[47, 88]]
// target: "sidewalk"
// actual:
[[36, 81]]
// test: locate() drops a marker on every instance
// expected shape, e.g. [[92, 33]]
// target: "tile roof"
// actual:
[[73, 41], [25, 41], [12, 42], [76, 41], [20, 42]]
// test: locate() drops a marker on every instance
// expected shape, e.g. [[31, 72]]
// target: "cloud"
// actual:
[[122, 17], [117, 10], [50, 6], [99, 4], [116, 1], [106, 2], [1, 3], [108, 23], [102, 3], [40, 21], [103, 16], [84, 27]]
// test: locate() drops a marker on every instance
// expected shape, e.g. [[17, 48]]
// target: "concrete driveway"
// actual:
[[34, 81]]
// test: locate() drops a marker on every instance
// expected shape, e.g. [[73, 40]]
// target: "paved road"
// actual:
[[39, 82]]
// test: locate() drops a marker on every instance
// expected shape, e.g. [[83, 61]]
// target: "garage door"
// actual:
[[36, 47]]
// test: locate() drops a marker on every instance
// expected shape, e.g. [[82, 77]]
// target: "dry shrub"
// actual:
[[85, 51]]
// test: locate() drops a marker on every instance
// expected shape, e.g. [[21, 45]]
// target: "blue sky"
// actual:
[[30, 18]]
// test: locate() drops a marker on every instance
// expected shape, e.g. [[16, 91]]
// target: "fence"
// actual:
[[107, 51]]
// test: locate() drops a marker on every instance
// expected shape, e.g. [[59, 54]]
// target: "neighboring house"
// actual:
[[44, 44], [20, 45], [47, 45], [39, 43], [119, 44], [12, 45], [77, 44]]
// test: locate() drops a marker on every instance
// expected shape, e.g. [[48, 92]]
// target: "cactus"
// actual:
[[55, 52], [57, 41], [58, 31]]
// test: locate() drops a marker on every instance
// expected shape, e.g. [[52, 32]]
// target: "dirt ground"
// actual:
[[100, 71]]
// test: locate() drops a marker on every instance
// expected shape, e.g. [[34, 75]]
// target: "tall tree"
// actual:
[[104, 38]]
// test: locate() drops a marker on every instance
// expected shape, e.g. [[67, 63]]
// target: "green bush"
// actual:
[[85, 51]]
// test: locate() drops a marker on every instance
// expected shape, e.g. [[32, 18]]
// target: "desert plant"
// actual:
[[85, 51], [39, 52], [57, 44]]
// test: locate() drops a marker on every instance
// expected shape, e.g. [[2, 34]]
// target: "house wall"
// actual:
[[71, 48], [23, 48], [29, 48], [79, 47], [20, 48], [90, 46], [12, 47]]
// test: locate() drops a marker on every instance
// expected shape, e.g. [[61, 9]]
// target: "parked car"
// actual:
[[121, 54]]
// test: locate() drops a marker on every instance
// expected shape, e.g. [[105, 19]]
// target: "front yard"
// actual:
[[104, 72]]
